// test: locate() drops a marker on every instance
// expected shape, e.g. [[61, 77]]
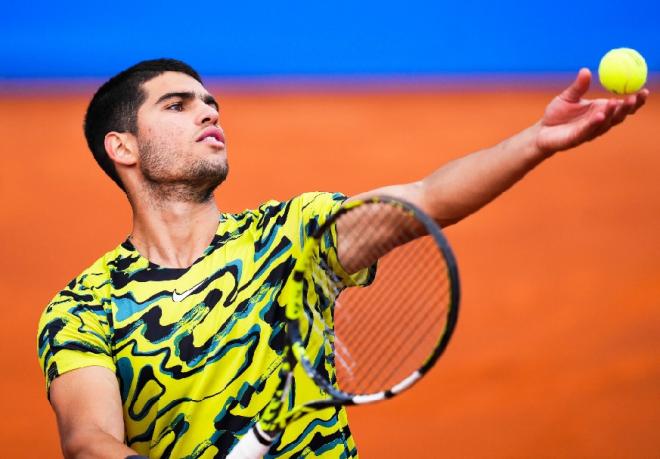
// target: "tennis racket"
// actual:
[[376, 294]]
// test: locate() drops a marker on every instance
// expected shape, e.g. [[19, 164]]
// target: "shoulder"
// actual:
[[320, 200], [75, 327], [315, 208], [315, 203], [302, 207], [90, 290]]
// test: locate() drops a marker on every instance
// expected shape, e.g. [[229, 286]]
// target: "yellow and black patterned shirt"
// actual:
[[197, 350]]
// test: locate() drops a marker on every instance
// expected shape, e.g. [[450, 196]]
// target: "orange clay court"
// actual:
[[557, 350]]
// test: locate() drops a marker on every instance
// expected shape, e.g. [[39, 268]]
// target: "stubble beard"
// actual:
[[166, 180]]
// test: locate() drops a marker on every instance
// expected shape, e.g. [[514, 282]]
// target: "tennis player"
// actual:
[[169, 345]]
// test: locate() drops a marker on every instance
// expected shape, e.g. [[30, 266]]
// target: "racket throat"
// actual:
[[287, 386], [272, 420]]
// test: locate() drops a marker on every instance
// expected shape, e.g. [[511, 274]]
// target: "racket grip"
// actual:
[[254, 445]]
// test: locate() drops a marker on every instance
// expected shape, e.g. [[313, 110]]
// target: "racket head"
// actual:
[[385, 325]]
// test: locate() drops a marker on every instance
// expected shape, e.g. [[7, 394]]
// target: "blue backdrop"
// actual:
[[309, 38]]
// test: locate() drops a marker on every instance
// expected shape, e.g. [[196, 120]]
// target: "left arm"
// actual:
[[465, 185]]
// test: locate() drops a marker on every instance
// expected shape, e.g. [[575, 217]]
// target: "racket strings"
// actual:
[[389, 367], [369, 340], [370, 231], [394, 370], [377, 294], [386, 331], [380, 297], [385, 340], [343, 354]]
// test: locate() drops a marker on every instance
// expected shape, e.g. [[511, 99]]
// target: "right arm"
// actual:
[[89, 414]]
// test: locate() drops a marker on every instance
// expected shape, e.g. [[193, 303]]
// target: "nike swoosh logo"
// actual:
[[178, 297]]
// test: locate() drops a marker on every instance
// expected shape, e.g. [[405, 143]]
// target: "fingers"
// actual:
[[614, 111], [628, 106], [591, 125], [622, 109], [641, 99], [612, 108], [601, 118], [578, 88]]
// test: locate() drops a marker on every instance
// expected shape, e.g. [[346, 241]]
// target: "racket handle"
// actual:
[[254, 445]]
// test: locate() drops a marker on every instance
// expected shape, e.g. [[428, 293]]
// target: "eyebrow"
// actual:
[[208, 99]]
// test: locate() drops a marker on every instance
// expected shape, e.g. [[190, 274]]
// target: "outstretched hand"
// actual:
[[570, 120]]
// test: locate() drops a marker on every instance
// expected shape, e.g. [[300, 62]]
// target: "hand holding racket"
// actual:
[[393, 280]]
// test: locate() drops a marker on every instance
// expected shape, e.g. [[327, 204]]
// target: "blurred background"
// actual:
[[557, 352]]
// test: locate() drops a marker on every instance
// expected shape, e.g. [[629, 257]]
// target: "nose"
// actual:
[[207, 114]]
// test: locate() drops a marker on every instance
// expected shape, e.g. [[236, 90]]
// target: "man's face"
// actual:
[[179, 138]]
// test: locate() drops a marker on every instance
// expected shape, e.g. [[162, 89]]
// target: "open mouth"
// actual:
[[212, 136]]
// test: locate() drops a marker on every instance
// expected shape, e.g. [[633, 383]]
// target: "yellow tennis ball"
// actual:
[[622, 71]]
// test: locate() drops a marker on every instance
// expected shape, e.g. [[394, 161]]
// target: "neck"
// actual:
[[173, 233]]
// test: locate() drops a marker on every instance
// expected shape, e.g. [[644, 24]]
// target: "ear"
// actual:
[[121, 147]]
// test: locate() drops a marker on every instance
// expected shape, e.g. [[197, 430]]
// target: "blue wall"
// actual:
[[340, 37]]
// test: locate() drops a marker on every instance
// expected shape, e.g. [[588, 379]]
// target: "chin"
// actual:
[[211, 174]]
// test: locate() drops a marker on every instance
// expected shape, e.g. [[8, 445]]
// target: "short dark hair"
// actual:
[[115, 105]]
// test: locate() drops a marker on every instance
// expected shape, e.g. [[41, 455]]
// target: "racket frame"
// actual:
[[295, 298], [275, 416]]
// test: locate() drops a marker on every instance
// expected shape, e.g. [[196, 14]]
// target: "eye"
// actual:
[[176, 106]]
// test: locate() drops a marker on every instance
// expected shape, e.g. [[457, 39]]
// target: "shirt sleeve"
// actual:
[[73, 333], [316, 208]]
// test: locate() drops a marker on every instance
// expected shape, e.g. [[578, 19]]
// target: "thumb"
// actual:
[[578, 88]]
